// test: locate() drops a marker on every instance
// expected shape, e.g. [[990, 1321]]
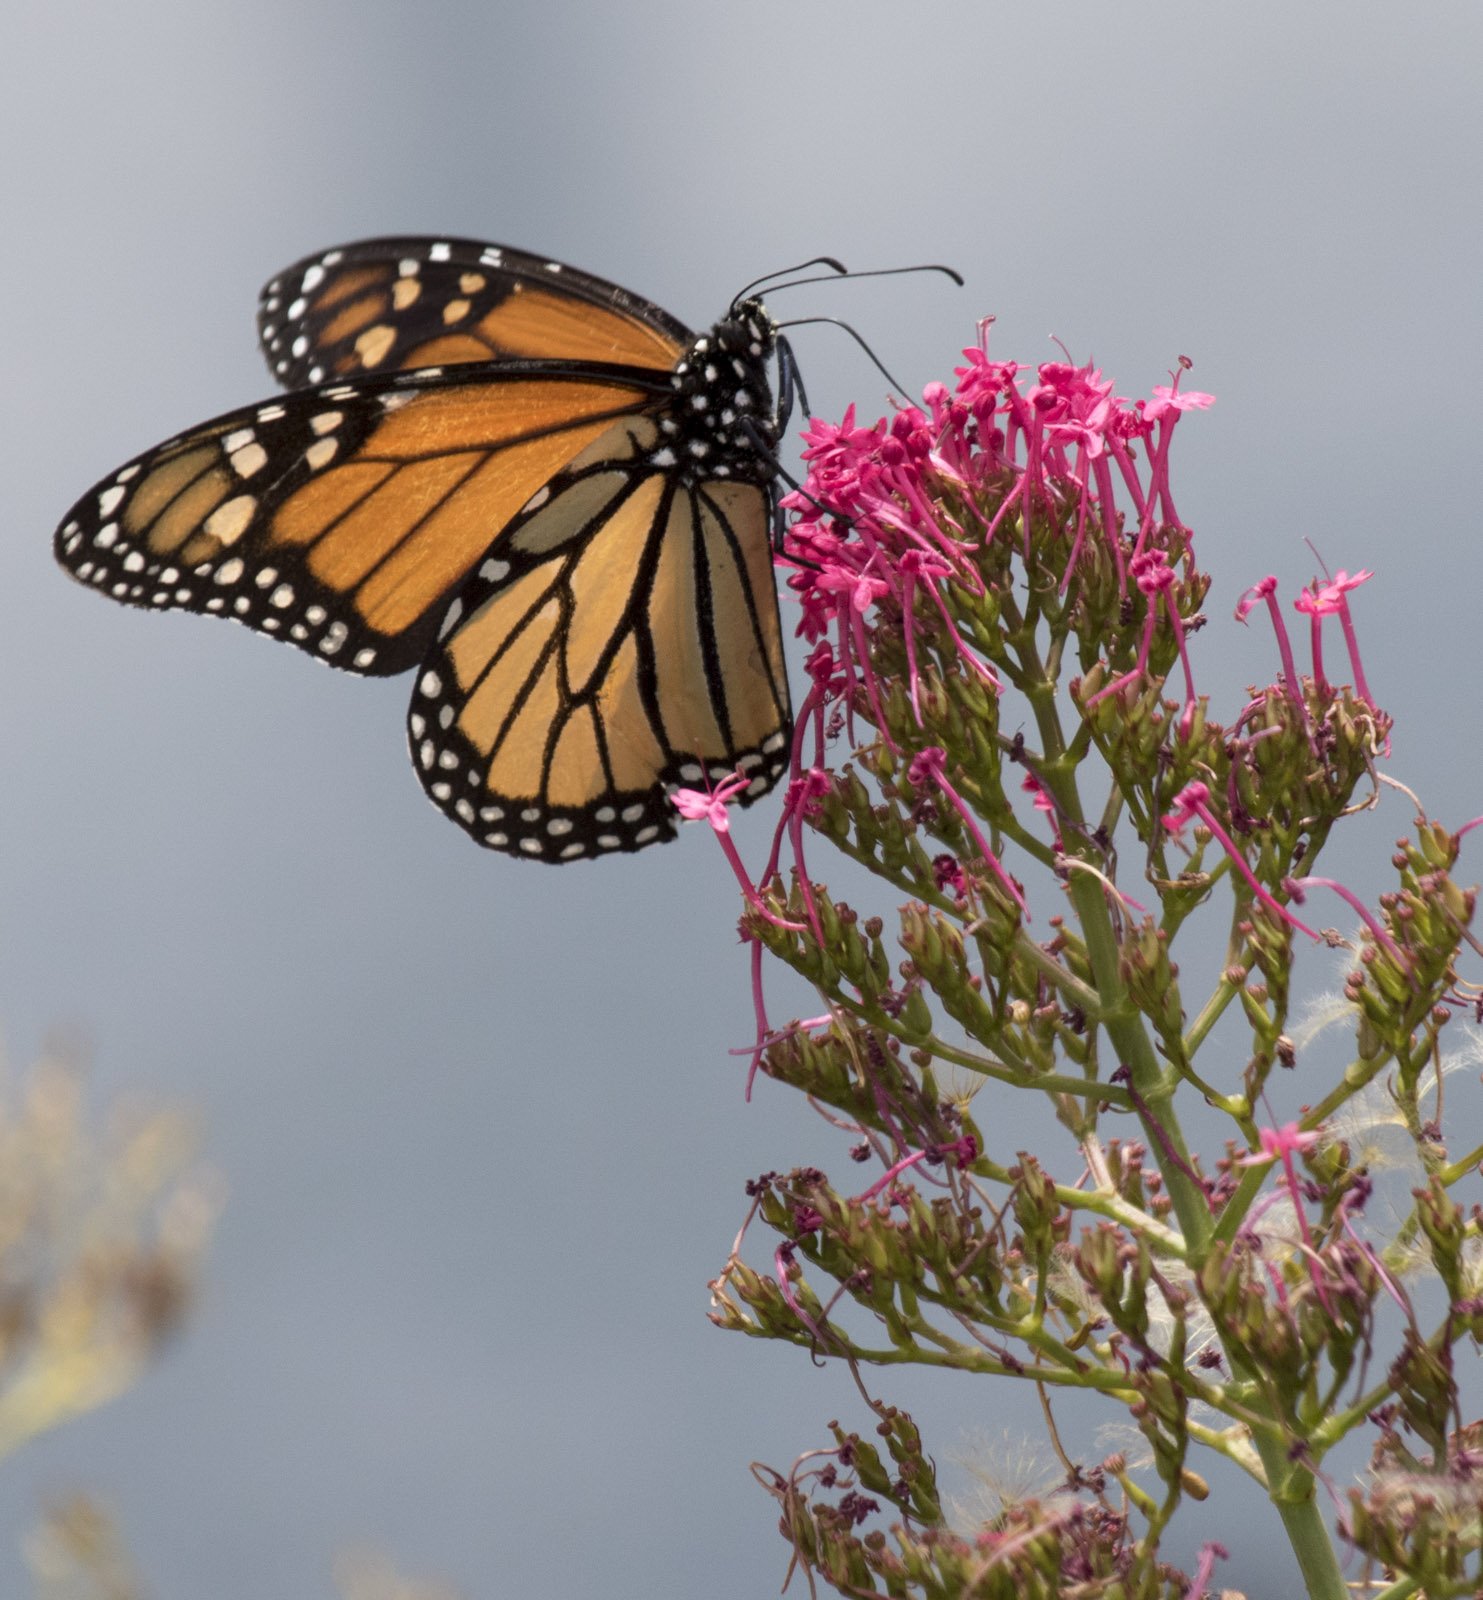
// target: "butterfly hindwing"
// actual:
[[620, 640], [340, 519], [386, 304]]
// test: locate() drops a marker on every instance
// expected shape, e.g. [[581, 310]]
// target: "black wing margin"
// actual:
[[387, 304]]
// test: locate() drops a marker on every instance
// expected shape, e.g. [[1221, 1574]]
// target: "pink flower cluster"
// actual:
[[873, 525], [894, 511]]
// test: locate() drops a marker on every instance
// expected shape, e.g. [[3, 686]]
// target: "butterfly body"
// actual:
[[723, 402], [534, 487]]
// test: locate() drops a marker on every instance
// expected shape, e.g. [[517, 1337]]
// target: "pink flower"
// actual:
[[1167, 399], [1042, 801], [1265, 589], [1166, 408], [855, 588], [1210, 1553], [1262, 589], [1331, 599], [1193, 801], [692, 804], [984, 385], [1279, 1144]]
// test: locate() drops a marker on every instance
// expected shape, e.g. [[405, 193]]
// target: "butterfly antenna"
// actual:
[[875, 272], [836, 269], [880, 366]]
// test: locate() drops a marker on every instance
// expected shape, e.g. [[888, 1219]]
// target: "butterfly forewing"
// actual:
[[614, 646], [387, 304], [341, 519]]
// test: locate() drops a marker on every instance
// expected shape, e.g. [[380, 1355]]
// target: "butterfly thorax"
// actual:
[[721, 409]]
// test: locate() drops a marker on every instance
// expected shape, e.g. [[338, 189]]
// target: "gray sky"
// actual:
[[484, 1141]]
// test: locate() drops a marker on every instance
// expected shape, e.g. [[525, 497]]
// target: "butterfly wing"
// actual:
[[386, 304], [496, 441], [343, 519], [622, 639]]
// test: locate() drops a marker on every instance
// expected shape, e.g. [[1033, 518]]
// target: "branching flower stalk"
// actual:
[[995, 588]]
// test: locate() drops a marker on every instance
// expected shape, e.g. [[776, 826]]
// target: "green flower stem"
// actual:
[[1015, 1073], [1164, 1240], [1329, 1432], [1293, 1490], [1402, 1589], [1290, 1486], [1012, 1071], [1234, 1444], [1133, 1047], [957, 1357], [1070, 1370], [1234, 1105], [1181, 1056], [1214, 1009], [908, 883], [1047, 1082], [1233, 1212], [1356, 1076], [1463, 1167], [1113, 810], [1126, 1032], [1006, 826], [1072, 989]]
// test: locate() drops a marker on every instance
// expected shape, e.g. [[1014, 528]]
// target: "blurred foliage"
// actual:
[[103, 1224], [369, 1575], [77, 1554], [102, 1230]]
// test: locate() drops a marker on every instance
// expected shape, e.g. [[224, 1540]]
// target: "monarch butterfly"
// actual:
[[536, 488]]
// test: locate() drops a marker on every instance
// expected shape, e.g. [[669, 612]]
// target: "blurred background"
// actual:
[[483, 1138]]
